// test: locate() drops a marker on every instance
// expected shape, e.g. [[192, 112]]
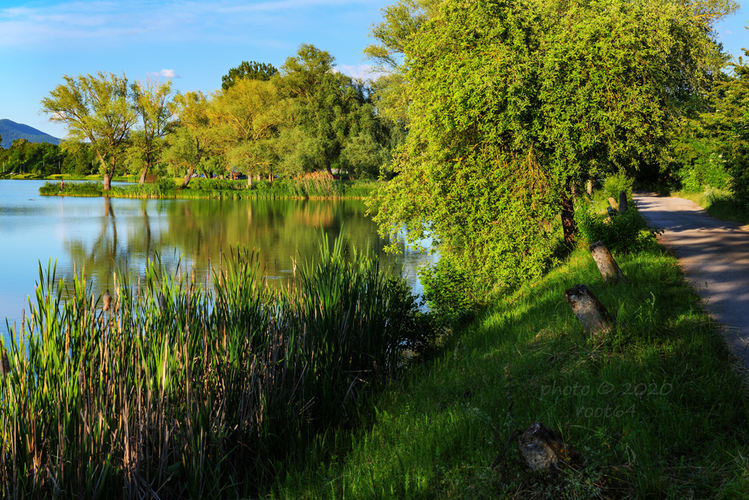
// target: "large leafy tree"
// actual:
[[245, 119], [324, 106], [401, 21], [192, 143], [98, 110], [512, 103], [152, 101]]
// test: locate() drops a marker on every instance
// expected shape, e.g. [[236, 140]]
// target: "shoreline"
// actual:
[[282, 189]]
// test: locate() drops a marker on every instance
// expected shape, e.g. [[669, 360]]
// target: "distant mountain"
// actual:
[[10, 131]]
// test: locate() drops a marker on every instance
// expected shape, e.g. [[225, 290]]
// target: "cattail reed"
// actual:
[[5, 365], [222, 390]]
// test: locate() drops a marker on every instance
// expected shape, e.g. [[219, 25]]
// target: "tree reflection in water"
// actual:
[[192, 234]]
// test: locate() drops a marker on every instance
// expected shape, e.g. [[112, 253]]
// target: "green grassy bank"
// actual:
[[720, 204], [315, 187], [655, 407]]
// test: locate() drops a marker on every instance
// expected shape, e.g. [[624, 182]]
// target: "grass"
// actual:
[[307, 187], [180, 392], [719, 204], [655, 407]]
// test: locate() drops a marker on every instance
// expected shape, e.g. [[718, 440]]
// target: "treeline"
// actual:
[[43, 158], [710, 149], [263, 123]]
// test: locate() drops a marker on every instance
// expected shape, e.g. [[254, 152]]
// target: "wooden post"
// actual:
[[589, 310], [589, 187], [622, 202], [606, 264], [613, 203]]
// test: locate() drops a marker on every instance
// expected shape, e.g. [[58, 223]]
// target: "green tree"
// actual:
[[192, 143], [401, 21], [248, 70], [324, 104], [79, 158], [245, 119], [97, 109], [730, 126], [512, 103], [152, 101]]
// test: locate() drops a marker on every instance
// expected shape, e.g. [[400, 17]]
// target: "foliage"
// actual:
[[620, 232], [615, 184], [448, 291], [25, 156], [176, 391], [245, 119], [152, 103], [401, 21], [732, 112], [72, 188], [96, 109], [328, 108], [511, 104], [248, 71], [189, 147]]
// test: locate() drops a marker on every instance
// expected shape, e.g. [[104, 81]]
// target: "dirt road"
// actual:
[[714, 256]]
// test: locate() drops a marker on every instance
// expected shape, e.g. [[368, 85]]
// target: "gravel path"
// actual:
[[714, 256]]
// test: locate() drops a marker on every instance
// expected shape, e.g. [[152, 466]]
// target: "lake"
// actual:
[[100, 236]]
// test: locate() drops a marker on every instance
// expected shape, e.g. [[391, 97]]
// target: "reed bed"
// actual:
[[301, 188], [174, 391]]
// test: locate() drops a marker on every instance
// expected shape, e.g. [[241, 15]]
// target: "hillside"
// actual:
[[10, 131]]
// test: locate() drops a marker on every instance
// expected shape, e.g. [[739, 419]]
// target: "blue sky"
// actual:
[[193, 42]]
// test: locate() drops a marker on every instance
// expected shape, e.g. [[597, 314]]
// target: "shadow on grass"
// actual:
[[655, 407]]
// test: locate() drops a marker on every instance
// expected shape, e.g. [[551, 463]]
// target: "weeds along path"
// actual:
[[714, 256]]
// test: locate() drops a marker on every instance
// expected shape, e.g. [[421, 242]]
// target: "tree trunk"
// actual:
[[589, 187], [108, 173], [606, 264], [568, 218], [187, 178], [589, 310], [143, 175]]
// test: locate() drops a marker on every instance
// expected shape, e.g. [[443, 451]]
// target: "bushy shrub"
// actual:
[[166, 186], [627, 232], [708, 172], [448, 290], [204, 184], [615, 184]]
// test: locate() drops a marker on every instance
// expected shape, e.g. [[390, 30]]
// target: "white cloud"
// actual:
[[110, 23], [363, 71], [169, 73]]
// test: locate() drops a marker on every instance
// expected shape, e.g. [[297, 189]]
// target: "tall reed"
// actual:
[[310, 186], [178, 392]]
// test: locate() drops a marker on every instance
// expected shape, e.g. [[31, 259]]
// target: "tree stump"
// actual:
[[622, 202], [613, 203], [542, 450], [594, 317], [606, 264]]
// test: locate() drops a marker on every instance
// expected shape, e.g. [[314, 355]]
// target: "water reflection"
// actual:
[[98, 236]]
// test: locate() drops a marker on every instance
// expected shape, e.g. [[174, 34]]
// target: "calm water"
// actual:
[[98, 236]]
